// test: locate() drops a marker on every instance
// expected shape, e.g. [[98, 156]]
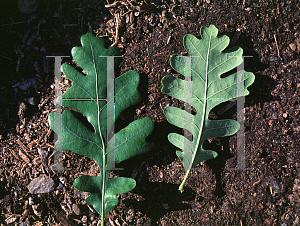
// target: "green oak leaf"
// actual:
[[208, 63], [74, 135]]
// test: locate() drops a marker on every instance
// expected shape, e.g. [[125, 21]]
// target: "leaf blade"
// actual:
[[88, 96], [208, 63]]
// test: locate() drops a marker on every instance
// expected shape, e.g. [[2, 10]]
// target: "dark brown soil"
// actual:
[[149, 33]]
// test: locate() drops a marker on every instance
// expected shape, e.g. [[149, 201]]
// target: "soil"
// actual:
[[149, 33]]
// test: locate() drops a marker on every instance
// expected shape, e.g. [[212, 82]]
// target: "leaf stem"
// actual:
[[183, 182]]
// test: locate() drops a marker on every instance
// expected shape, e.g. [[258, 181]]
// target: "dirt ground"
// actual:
[[149, 33]]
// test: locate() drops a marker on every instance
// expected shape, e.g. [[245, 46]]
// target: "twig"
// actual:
[[13, 23], [117, 30], [97, 4], [127, 12], [277, 46], [257, 182], [69, 25], [49, 145], [114, 4], [5, 57]]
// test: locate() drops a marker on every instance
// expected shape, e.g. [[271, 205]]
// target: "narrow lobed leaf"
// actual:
[[208, 63]]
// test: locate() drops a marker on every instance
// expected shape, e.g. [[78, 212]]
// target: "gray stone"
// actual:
[[41, 184]]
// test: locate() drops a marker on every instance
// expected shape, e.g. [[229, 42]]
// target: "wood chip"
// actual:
[[33, 143], [24, 215], [23, 156], [22, 146], [15, 155], [37, 161], [63, 219]]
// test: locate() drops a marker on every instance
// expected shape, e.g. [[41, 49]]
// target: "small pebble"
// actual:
[[76, 209], [60, 187], [293, 46], [285, 115], [126, 18], [274, 115], [41, 184], [84, 219], [27, 84], [273, 58], [165, 205], [43, 153], [32, 100]]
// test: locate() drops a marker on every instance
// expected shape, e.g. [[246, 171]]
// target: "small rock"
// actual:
[[126, 18], [285, 115], [84, 219], [293, 46], [32, 100], [166, 206], [273, 58], [43, 153], [76, 209], [41, 184], [22, 109], [274, 115], [12, 218], [27, 84], [60, 187], [271, 122]]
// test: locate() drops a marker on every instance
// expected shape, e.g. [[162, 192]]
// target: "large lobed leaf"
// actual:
[[208, 63], [74, 135]]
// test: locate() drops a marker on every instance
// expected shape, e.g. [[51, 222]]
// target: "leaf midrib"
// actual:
[[204, 107]]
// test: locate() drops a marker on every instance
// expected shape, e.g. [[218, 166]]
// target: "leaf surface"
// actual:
[[208, 63], [88, 96]]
